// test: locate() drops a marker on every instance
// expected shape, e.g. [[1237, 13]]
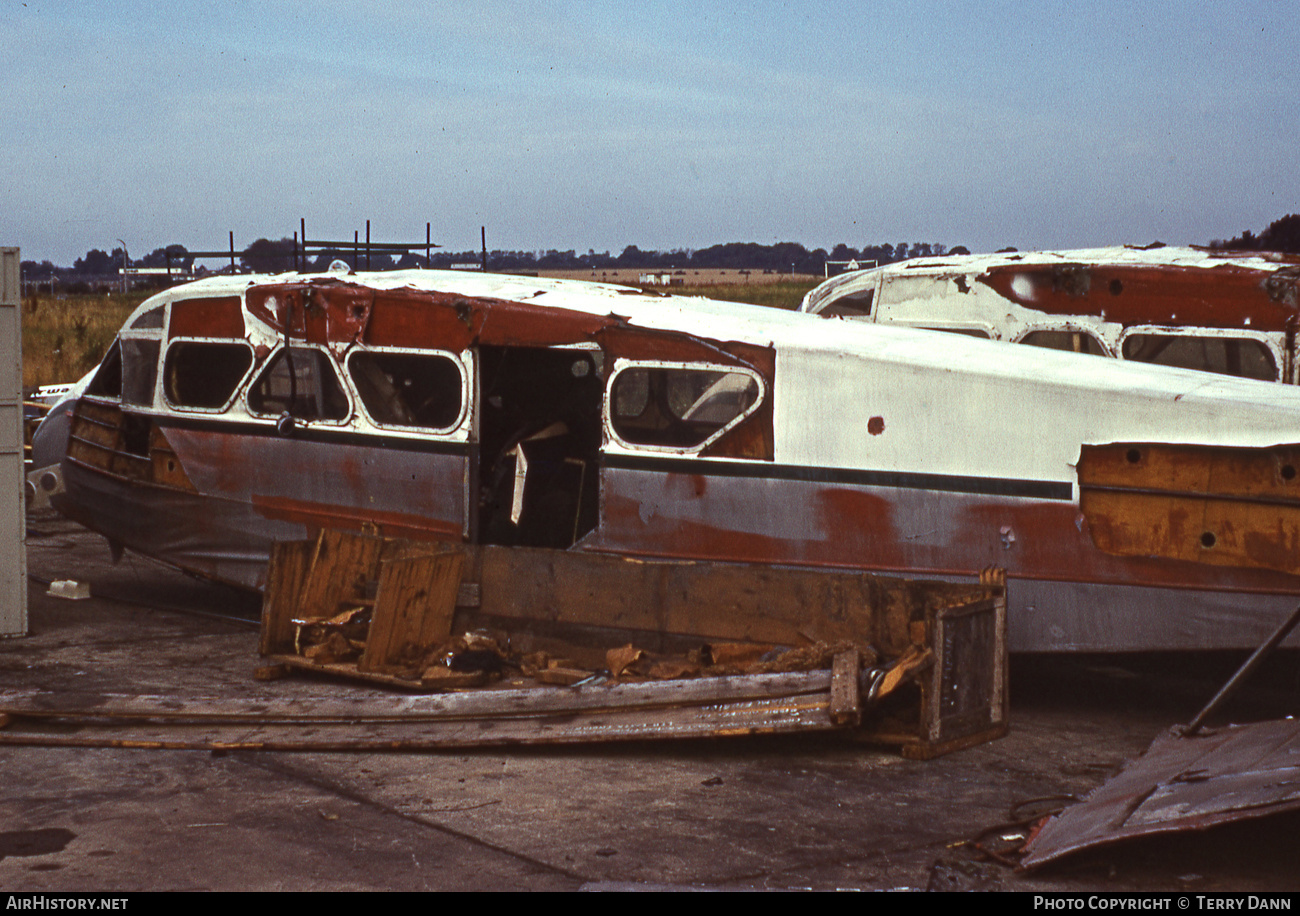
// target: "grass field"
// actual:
[[64, 337], [785, 294], [772, 289]]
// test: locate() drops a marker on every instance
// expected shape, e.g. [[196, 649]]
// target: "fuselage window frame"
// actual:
[[175, 344], [623, 366], [464, 374], [1067, 328], [268, 366], [1267, 348]]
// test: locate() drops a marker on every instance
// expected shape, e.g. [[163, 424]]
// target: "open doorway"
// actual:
[[539, 445]]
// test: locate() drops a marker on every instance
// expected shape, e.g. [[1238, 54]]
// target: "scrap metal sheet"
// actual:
[[1229, 774]]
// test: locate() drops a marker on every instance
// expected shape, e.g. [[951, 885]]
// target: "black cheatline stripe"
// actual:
[[905, 480], [317, 434]]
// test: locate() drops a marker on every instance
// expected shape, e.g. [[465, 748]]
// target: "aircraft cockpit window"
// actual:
[[107, 382], [204, 374], [421, 390], [1245, 357], [299, 381], [139, 370], [679, 407]]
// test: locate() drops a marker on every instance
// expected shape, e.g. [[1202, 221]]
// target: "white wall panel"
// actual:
[[13, 527]]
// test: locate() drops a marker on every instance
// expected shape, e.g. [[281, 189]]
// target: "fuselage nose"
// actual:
[[50, 441]]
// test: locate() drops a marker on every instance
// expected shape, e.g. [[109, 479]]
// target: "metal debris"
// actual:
[[1230, 774], [1191, 779]]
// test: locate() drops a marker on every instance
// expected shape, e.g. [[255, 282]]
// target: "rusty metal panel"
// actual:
[[1219, 506], [212, 317], [13, 556], [1234, 773], [1210, 296]]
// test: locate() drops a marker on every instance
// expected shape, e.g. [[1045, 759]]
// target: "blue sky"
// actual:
[[678, 125]]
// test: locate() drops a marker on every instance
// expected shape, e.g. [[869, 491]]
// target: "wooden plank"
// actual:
[[846, 698], [951, 633], [712, 601], [500, 701], [413, 609], [340, 567], [349, 672], [928, 750], [776, 715], [285, 576]]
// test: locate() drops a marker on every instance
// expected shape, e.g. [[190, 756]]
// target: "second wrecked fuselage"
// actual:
[[237, 412], [1233, 313]]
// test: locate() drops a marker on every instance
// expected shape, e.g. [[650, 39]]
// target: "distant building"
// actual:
[[661, 279]]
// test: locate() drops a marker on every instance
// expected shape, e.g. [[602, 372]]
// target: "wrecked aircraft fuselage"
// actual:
[[1233, 313], [238, 412]]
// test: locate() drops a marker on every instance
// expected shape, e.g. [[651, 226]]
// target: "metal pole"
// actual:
[[483, 234], [1243, 672], [232, 251], [124, 265], [427, 244], [367, 244]]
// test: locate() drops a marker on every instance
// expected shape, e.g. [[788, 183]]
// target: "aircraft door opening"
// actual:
[[539, 445]]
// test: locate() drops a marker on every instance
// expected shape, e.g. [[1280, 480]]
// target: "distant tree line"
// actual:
[[275, 255], [782, 257], [98, 264], [265, 256], [1281, 235]]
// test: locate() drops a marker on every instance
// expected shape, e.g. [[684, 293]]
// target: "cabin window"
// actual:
[[408, 389], [107, 382], [855, 305], [1240, 356], [1069, 341], [301, 382], [204, 375], [139, 370], [151, 319], [678, 406]]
